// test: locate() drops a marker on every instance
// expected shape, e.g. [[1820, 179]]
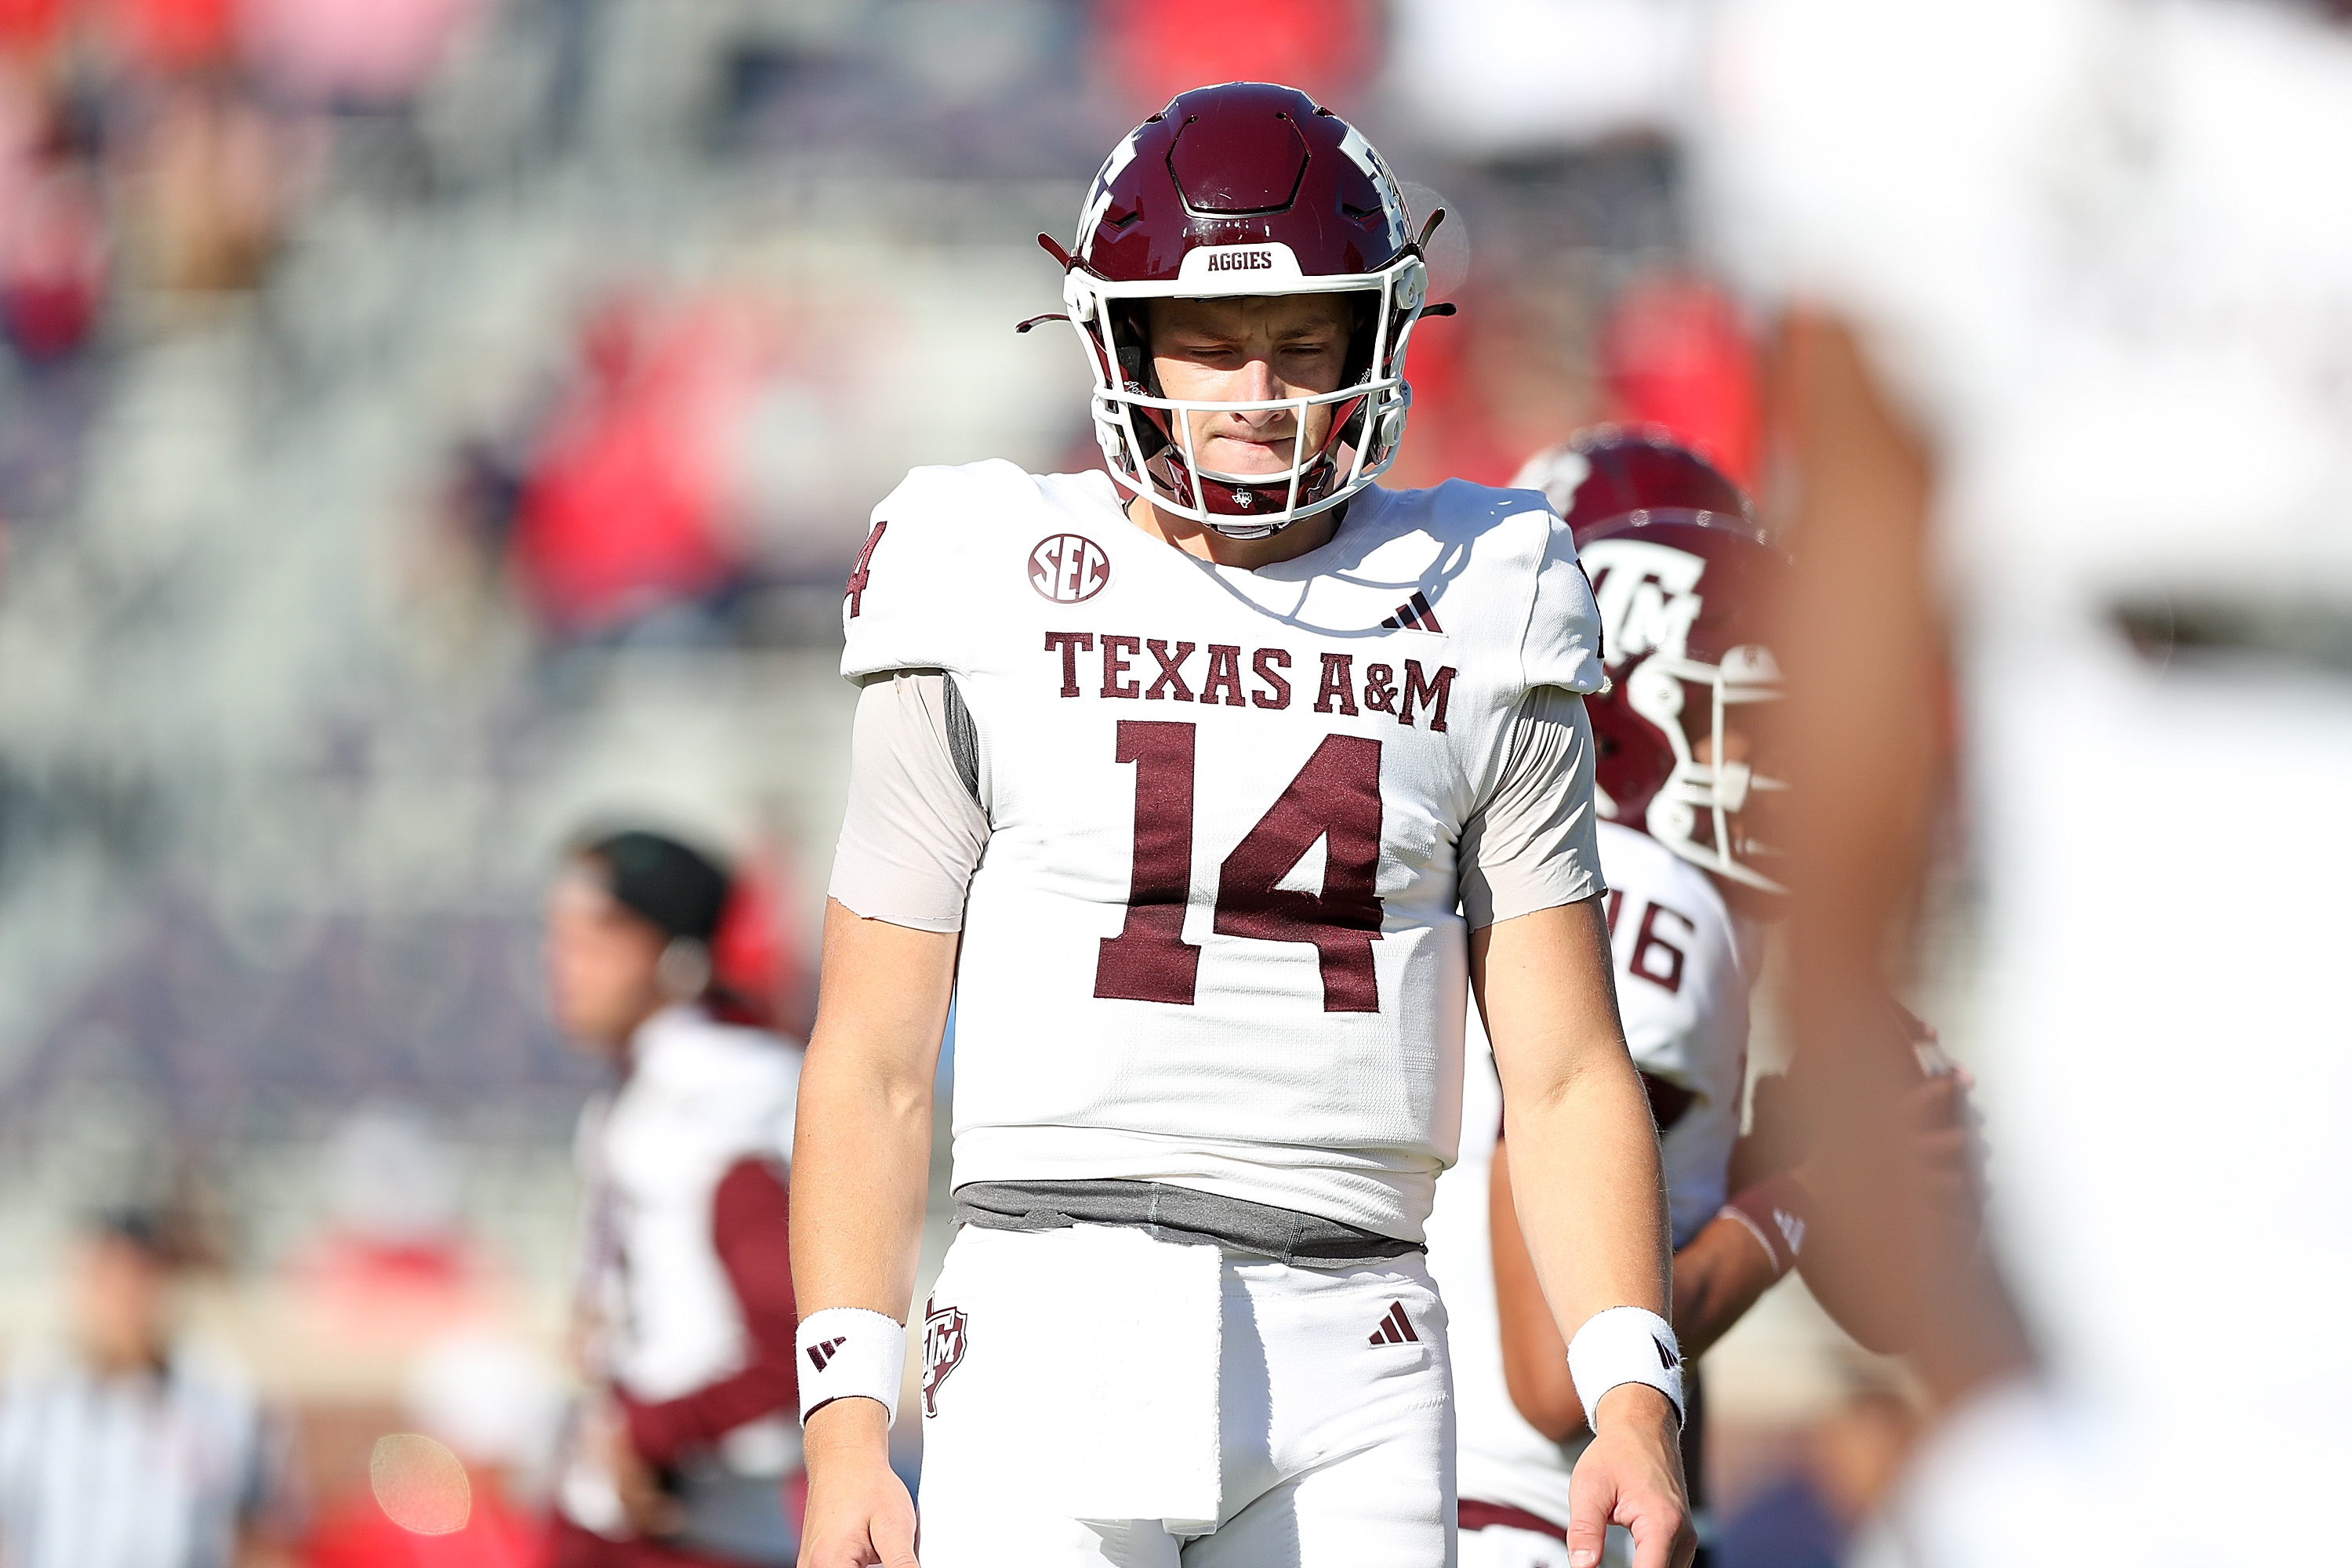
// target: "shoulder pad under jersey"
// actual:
[[910, 594], [1562, 644], [1530, 601]]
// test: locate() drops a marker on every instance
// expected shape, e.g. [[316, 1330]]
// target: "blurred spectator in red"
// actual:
[[1156, 49], [686, 1307], [1675, 352], [170, 37], [128, 1447], [29, 28], [756, 977], [1808, 1518], [1495, 383], [624, 513], [53, 242]]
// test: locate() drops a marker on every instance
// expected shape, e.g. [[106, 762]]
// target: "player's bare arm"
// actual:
[[1586, 1165], [1717, 1275], [861, 1160], [1874, 769]]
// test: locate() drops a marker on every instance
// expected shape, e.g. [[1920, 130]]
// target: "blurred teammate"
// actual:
[[687, 1311], [1180, 794], [128, 1446], [2065, 292], [1685, 594]]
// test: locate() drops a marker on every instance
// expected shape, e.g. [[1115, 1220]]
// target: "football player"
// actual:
[[1685, 787], [1687, 589], [1214, 786]]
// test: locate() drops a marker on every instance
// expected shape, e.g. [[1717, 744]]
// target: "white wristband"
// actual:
[[1621, 1345], [848, 1352]]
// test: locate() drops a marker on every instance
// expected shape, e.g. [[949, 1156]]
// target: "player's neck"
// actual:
[[1208, 544]]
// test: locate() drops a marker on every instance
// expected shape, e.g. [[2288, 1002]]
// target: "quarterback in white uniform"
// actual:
[[2066, 291], [1214, 802], [1685, 595]]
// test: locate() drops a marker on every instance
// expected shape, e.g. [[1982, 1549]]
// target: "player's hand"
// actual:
[[859, 1514], [1632, 1476], [1942, 1123]]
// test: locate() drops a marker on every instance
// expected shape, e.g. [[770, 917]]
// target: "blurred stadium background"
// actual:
[[428, 426]]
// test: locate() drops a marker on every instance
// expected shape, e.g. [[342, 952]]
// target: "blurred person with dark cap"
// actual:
[[129, 1446], [2064, 294], [686, 1302]]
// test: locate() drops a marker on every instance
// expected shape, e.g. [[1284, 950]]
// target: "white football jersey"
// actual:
[[1214, 939], [1684, 973]]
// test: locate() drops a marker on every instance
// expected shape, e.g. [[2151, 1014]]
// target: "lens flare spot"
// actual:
[[420, 1485]]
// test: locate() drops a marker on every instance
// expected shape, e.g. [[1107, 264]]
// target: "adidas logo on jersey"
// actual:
[[1792, 1230], [823, 1354], [1415, 615], [1395, 1329]]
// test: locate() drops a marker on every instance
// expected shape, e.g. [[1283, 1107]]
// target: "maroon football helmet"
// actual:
[[1245, 189], [1607, 471], [1685, 598]]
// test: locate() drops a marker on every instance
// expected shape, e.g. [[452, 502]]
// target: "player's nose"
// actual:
[[1257, 385]]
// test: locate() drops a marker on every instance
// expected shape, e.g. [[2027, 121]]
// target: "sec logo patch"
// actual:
[[1068, 568]]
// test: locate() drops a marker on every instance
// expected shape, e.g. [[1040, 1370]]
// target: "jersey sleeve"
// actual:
[[1561, 643], [915, 828], [1532, 846]]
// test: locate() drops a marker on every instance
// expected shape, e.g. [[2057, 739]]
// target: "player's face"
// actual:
[[602, 964], [1750, 735], [1251, 351], [120, 1299]]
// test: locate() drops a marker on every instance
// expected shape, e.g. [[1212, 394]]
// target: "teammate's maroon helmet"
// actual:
[[1686, 597], [1245, 189], [1607, 471]]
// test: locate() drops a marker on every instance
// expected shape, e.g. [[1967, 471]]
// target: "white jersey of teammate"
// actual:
[[1213, 939], [2102, 251], [1684, 973]]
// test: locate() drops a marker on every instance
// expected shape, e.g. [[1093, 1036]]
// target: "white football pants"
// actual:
[[1312, 1408]]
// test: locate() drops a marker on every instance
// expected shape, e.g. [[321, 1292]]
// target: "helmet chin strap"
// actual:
[[1246, 529]]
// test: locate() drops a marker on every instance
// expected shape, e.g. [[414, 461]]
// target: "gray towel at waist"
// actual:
[[1174, 1213]]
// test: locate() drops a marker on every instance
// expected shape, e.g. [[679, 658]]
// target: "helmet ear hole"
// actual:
[[1131, 340], [1363, 322]]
